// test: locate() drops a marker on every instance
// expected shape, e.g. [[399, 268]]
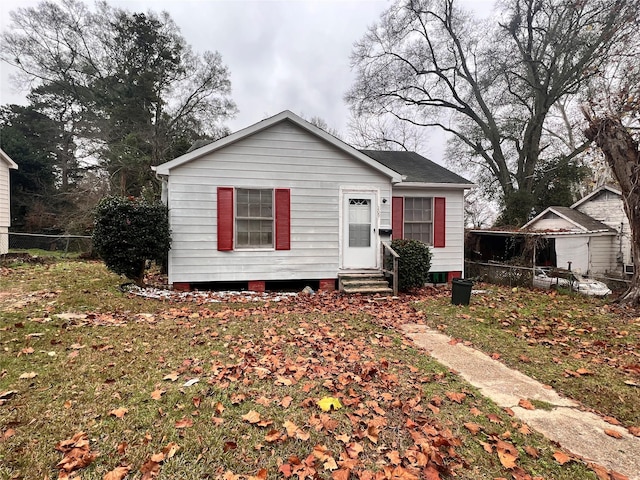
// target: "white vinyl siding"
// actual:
[[608, 208], [281, 156], [450, 258], [4, 195], [5, 218], [602, 254]]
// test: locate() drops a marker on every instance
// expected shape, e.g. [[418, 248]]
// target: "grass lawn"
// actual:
[[102, 384], [586, 348]]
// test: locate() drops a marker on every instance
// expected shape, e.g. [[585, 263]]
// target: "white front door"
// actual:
[[359, 230]]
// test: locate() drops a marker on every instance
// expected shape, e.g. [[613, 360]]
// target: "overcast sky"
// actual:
[[282, 55]]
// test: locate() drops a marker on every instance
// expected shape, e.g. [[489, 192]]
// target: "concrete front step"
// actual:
[[364, 283], [371, 289]]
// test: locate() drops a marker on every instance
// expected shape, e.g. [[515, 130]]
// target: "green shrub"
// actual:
[[414, 263], [130, 231]]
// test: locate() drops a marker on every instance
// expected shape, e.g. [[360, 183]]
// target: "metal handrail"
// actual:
[[394, 273]]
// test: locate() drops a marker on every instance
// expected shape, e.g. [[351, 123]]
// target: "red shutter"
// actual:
[[397, 217], [283, 219], [225, 218], [439, 220]]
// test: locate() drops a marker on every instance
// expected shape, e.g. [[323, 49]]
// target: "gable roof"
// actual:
[[597, 192], [165, 168], [416, 168], [581, 220], [7, 160]]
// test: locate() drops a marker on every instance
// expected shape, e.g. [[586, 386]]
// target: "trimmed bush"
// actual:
[[130, 231], [414, 263]]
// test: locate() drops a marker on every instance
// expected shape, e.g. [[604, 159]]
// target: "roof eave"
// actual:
[[594, 193], [560, 214], [456, 186], [7, 159]]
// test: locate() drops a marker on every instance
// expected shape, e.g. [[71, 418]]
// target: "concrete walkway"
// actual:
[[582, 433]]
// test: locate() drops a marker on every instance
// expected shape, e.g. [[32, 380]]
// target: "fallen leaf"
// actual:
[[474, 428], [157, 393], [613, 433], [77, 453], [251, 417], [526, 404], [28, 376], [285, 469], [341, 474], [184, 423], [119, 412], [394, 457], [635, 431], [8, 433], [531, 451], [507, 459], [170, 450], [330, 464], [561, 457], [328, 403], [457, 397], [117, 473], [617, 476], [611, 420], [507, 453], [173, 376]]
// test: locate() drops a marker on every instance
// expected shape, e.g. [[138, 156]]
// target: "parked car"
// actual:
[[557, 278]]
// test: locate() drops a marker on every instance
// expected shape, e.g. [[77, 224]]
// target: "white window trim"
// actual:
[[254, 248], [405, 222]]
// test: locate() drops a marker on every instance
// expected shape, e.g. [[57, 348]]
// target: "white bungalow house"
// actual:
[[593, 234], [284, 200], [6, 164]]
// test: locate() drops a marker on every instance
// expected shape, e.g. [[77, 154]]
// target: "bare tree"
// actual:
[[386, 132], [144, 96], [612, 110], [491, 84]]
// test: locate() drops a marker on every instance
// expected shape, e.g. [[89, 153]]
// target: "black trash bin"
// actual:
[[461, 291]]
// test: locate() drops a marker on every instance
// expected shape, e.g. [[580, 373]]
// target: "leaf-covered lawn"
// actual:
[[97, 383], [585, 348]]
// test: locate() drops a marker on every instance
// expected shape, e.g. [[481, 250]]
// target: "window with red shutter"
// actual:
[[262, 218], [397, 217], [225, 218], [283, 218], [439, 222]]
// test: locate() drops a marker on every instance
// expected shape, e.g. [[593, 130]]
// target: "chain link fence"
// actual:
[[66, 244], [500, 274]]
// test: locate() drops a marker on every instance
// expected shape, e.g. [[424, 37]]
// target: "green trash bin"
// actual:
[[461, 291]]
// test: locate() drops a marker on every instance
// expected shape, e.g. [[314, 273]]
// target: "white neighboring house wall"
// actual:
[[605, 204], [281, 156], [6, 164], [449, 258]]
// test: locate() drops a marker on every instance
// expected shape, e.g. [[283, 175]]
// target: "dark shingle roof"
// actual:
[[415, 167], [582, 219]]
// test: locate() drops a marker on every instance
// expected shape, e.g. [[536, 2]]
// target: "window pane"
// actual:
[[418, 219], [254, 218], [359, 235]]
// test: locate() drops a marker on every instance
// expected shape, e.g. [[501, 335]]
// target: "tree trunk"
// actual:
[[623, 156]]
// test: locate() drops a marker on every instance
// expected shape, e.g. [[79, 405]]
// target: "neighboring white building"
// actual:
[[593, 234], [285, 200], [6, 164]]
